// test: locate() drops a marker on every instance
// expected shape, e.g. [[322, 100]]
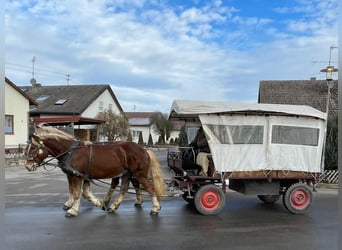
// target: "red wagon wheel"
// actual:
[[209, 200], [297, 198]]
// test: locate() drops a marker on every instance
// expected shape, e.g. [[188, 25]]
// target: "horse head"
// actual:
[[35, 154], [57, 141]]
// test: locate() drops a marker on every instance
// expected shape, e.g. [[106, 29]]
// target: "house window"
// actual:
[[100, 106], [136, 133], [42, 98], [9, 121], [110, 106], [60, 102]]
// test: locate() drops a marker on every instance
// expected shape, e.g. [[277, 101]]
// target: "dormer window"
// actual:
[[61, 101]]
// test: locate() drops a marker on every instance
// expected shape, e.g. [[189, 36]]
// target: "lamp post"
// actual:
[[330, 83]]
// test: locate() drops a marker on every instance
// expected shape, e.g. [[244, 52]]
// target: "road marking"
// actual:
[[38, 185]]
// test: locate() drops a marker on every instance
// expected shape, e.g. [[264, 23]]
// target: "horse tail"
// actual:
[[157, 175]]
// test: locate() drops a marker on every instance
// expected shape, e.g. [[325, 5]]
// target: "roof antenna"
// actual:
[[67, 79], [33, 80]]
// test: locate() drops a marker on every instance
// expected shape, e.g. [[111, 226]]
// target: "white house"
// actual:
[[17, 106], [73, 107], [142, 122]]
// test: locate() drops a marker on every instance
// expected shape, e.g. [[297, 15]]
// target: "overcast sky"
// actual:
[[152, 52]]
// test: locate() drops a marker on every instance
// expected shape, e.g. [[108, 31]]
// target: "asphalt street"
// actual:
[[34, 219]]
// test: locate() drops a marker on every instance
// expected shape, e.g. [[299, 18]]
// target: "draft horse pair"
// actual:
[[83, 162]]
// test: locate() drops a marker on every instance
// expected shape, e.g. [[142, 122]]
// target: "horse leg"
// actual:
[[149, 188], [138, 192], [105, 200], [87, 194], [76, 188], [123, 190], [68, 204]]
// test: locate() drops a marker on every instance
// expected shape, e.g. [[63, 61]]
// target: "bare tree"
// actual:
[[116, 126], [162, 125]]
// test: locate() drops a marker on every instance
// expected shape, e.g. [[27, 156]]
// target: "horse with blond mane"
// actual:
[[81, 161]]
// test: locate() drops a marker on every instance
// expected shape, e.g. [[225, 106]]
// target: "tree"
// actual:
[[161, 125], [150, 141], [140, 140], [331, 150], [129, 137], [183, 137], [116, 126]]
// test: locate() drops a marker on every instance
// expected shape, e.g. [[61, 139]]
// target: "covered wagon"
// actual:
[[267, 150]]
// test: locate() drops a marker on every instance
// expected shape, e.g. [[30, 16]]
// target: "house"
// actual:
[[142, 122], [17, 107], [311, 92], [176, 129], [73, 107]]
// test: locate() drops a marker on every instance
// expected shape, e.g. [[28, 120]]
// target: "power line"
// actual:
[[21, 67]]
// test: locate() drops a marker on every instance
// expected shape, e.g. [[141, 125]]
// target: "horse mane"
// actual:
[[52, 133]]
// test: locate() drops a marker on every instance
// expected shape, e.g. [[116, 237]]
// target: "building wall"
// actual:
[[18, 106], [107, 100], [146, 130]]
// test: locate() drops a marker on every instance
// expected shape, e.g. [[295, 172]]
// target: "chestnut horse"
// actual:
[[36, 154], [80, 161]]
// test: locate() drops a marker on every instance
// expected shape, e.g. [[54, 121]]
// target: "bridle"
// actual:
[[33, 155]]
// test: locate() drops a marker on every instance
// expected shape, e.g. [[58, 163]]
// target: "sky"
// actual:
[[152, 52]]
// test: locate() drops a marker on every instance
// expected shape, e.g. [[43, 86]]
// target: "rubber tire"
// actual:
[[269, 199], [297, 198], [209, 200]]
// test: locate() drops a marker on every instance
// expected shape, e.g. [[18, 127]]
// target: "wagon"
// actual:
[[268, 150]]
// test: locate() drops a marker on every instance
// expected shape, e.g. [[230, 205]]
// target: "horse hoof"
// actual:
[[153, 213], [138, 205], [103, 208], [69, 215], [65, 208], [111, 211]]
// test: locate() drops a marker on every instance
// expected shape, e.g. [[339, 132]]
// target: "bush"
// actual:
[[141, 140]]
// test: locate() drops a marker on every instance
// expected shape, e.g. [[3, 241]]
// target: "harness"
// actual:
[[64, 164]]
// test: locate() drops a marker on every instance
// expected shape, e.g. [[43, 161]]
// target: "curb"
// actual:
[[327, 186]]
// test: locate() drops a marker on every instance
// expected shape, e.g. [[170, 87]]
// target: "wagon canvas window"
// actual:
[[9, 121], [295, 135], [238, 134]]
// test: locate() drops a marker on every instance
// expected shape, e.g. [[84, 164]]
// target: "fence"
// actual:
[[14, 155], [329, 176]]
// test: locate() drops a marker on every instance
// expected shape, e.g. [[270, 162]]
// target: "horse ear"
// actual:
[[35, 139]]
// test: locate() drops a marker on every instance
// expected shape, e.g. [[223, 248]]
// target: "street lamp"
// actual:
[[330, 83]]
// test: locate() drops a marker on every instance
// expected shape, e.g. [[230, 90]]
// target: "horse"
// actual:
[[36, 155], [80, 161]]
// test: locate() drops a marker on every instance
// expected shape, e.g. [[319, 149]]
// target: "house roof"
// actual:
[[66, 100], [299, 92], [140, 118], [30, 99]]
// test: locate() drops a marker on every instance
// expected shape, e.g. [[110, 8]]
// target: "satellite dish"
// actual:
[[33, 82]]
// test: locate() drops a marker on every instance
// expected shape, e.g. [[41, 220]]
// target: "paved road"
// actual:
[[35, 220]]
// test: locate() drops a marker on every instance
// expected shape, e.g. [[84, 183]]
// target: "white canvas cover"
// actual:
[[286, 137], [191, 108]]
